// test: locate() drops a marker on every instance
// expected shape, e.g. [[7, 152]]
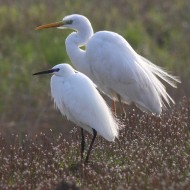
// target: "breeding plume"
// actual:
[[113, 65], [77, 98]]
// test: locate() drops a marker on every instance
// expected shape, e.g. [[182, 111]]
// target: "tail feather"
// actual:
[[158, 72], [162, 73]]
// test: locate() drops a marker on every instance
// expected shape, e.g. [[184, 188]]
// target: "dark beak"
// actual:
[[44, 72]]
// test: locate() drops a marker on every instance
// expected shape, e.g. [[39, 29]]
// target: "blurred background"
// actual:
[[158, 30]]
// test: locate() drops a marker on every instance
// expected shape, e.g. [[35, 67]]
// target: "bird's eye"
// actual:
[[56, 70], [69, 21]]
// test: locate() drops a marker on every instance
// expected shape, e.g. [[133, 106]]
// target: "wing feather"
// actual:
[[82, 104], [117, 67]]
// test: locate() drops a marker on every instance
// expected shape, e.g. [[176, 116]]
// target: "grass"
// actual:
[[151, 153], [37, 148]]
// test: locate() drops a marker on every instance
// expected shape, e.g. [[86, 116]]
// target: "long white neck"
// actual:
[[73, 43]]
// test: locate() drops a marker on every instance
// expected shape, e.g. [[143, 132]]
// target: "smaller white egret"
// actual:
[[77, 98]]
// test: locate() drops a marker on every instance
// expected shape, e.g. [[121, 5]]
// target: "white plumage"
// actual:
[[112, 64], [77, 98]]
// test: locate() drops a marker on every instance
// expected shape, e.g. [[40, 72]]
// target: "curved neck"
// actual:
[[73, 43]]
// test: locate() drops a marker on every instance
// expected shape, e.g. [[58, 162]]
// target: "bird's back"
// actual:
[[77, 98], [118, 69]]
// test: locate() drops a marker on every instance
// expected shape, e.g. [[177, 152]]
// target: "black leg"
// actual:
[[114, 108], [82, 143], [91, 144], [121, 106]]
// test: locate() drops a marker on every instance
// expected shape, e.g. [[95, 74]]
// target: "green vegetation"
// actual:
[[158, 30]]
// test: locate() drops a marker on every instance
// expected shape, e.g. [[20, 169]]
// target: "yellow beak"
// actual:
[[50, 25]]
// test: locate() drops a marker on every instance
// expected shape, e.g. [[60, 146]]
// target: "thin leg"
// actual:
[[113, 108], [121, 106], [82, 143], [91, 144]]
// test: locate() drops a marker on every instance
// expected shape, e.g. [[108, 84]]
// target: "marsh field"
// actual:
[[39, 149]]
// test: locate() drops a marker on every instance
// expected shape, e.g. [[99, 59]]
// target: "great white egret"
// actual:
[[113, 65], [77, 98]]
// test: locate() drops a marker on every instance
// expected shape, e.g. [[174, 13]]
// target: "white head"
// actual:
[[75, 21], [62, 69]]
